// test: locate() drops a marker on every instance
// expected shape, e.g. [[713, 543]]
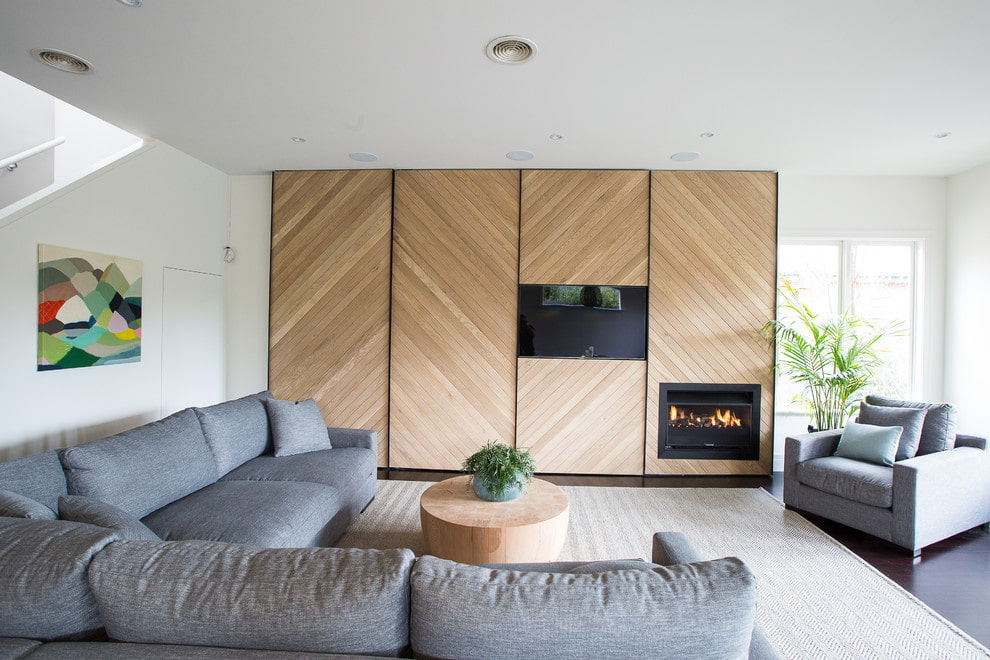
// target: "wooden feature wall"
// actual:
[[584, 227], [329, 326], [454, 318], [712, 287], [582, 416]]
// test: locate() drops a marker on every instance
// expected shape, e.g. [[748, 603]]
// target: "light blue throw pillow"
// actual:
[[866, 442]]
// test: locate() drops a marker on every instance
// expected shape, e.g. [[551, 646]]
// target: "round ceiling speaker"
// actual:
[[58, 59], [511, 50]]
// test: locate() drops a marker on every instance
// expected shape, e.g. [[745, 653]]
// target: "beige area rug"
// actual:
[[817, 599]]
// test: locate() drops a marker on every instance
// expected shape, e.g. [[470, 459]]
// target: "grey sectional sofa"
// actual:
[[207, 474], [67, 588]]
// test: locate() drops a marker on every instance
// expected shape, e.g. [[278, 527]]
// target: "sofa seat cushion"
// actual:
[[39, 477], [702, 610], [94, 512], [17, 647], [125, 651], [237, 430], [44, 592], [866, 483], [143, 469], [344, 468], [270, 514], [315, 600]]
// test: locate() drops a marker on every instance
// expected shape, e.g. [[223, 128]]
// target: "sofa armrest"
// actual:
[[353, 438], [971, 441], [806, 446]]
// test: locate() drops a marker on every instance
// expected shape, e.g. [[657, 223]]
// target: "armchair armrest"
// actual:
[[353, 438], [806, 446], [673, 548], [971, 441]]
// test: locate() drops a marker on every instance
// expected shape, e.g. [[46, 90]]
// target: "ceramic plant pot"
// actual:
[[511, 493]]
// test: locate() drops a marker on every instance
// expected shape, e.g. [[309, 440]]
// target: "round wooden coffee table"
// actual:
[[459, 525]]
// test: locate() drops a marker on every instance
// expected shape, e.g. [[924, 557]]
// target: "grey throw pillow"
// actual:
[[865, 442], [297, 427], [15, 505], [94, 512], [910, 419], [939, 430]]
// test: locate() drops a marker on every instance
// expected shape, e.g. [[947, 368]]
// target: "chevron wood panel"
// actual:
[[584, 227], [713, 251], [329, 326], [454, 314], [582, 416]]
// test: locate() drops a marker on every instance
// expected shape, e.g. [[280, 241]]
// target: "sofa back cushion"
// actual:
[[44, 593], [938, 432], [701, 610], [39, 477], [204, 593], [237, 430], [15, 505], [143, 469]]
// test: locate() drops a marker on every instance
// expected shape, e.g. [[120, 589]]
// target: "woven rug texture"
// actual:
[[817, 598]]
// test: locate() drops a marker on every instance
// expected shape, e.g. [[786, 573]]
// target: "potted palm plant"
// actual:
[[835, 359], [499, 472]]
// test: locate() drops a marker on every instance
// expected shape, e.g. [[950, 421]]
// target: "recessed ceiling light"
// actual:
[[943, 134], [519, 155], [130, 3], [511, 50], [61, 60], [363, 157], [556, 136], [707, 134], [684, 156], [298, 139]]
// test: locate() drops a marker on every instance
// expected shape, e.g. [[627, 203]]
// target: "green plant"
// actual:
[[835, 359], [499, 467]]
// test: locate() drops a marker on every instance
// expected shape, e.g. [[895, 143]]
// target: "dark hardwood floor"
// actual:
[[952, 576]]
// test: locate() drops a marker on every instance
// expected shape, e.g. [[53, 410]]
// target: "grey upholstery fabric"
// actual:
[[15, 505], [572, 566], [43, 589], [911, 420], [272, 514], [215, 594], [703, 610], [938, 432], [297, 427], [123, 651], [339, 467], [353, 438], [854, 480], [13, 648], [971, 441], [39, 477], [237, 430], [145, 468], [94, 512]]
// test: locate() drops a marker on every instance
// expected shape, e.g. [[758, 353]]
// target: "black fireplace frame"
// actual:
[[725, 447]]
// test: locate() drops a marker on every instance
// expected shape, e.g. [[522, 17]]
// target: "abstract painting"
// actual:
[[89, 309]]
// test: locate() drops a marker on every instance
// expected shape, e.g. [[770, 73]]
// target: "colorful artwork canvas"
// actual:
[[89, 309]]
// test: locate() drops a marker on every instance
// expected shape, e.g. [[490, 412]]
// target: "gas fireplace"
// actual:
[[713, 421]]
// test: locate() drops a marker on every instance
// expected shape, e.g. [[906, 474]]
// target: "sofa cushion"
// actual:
[[702, 610], [44, 593], [297, 427], [938, 432], [237, 430], [851, 479], [911, 420], [143, 469], [39, 477], [866, 442], [15, 505], [94, 512], [12, 648], [217, 594], [124, 651], [271, 514], [343, 468]]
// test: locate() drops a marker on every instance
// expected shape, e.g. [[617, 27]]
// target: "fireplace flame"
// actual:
[[719, 419]]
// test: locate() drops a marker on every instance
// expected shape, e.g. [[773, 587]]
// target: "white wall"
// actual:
[[873, 207], [967, 305], [157, 205]]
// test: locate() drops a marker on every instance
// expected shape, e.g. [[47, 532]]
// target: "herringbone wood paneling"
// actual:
[[584, 227], [712, 287], [582, 416], [329, 322], [454, 318]]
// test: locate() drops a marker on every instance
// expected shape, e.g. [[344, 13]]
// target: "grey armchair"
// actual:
[[912, 504]]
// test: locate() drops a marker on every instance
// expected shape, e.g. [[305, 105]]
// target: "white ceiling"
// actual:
[[799, 86]]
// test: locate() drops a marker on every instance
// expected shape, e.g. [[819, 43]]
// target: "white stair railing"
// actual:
[[10, 163]]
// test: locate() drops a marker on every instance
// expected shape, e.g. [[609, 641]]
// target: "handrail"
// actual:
[[11, 161]]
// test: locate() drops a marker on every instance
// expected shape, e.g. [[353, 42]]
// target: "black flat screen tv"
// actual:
[[563, 321]]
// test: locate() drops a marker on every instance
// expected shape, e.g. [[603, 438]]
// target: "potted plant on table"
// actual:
[[498, 472]]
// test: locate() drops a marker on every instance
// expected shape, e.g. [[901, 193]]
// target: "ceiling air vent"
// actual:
[[511, 50], [61, 60]]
